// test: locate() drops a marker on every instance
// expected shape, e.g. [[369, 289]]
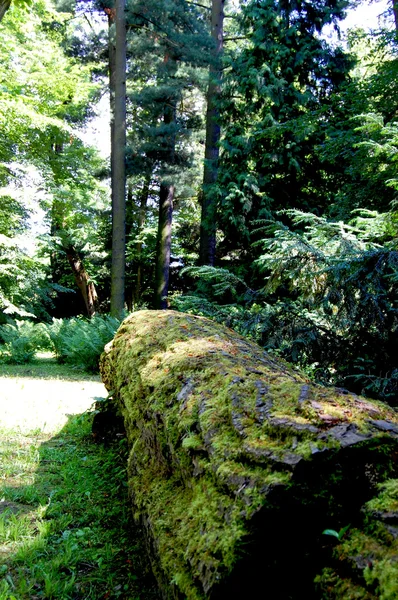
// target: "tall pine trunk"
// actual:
[[213, 132], [118, 174], [110, 12], [166, 199]]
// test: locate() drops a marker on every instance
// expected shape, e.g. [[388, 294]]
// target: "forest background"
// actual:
[[258, 171]]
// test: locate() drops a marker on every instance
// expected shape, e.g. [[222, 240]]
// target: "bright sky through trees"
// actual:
[[366, 15]]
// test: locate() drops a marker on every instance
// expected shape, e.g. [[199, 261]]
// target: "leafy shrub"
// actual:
[[21, 340], [79, 341]]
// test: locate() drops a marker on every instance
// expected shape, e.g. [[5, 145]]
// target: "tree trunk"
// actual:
[[238, 463], [395, 12], [57, 224], [141, 223], [4, 6], [58, 230], [110, 12], [213, 131], [166, 197], [118, 151], [82, 280]]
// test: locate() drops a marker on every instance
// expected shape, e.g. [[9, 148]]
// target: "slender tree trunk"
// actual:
[[86, 287], [141, 223], [118, 151], [130, 217], [110, 12], [58, 230], [395, 11], [213, 132], [166, 198], [57, 225], [4, 6]]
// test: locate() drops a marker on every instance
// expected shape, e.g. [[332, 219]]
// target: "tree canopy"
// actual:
[[260, 173]]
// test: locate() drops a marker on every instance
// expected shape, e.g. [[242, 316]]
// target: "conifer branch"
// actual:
[[235, 39], [200, 5]]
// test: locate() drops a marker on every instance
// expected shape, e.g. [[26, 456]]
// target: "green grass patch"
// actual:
[[65, 525], [45, 366]]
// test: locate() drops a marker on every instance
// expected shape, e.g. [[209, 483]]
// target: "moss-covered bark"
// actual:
[[238, 463]]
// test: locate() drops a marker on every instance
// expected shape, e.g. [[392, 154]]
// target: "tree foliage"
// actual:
[[43, 96], [306, 191], [278, 92], [329, 299]]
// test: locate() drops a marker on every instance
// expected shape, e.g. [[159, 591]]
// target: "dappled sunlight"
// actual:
[[185, 351]]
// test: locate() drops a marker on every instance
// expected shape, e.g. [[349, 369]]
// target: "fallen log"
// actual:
[[238, 464]]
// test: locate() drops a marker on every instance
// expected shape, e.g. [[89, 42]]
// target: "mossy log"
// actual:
[[238, 464]]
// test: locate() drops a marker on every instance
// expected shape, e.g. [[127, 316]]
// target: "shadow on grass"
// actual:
[[66, 531]]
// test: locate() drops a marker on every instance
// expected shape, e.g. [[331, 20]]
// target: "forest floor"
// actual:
[[66, 531]]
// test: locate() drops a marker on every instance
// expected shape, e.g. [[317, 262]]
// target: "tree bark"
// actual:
[[395, 12], [231, 451], [86, 287], [213, 132], [141, 223], [4, 6], [118, 151], [166, 198], [110, 12]]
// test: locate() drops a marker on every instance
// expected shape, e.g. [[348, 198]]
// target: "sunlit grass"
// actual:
[[40, 396], [44, 366]]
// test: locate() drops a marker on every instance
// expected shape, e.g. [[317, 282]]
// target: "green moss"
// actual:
[[370, 553], [387, 500], [384, 573], [192, 442], [214, 425], [332, 586], [376, 552]]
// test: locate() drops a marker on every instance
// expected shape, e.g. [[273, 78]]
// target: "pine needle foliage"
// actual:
[[329, 302], [343, 287], [221, 281]]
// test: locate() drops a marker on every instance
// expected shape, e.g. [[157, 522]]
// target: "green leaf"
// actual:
[[331, 532], [344, 530]]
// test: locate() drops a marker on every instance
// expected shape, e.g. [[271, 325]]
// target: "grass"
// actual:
[[43, 366], [65, 526]]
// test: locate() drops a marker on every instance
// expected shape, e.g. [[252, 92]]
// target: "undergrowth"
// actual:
[[77, 341], [65, 527]]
